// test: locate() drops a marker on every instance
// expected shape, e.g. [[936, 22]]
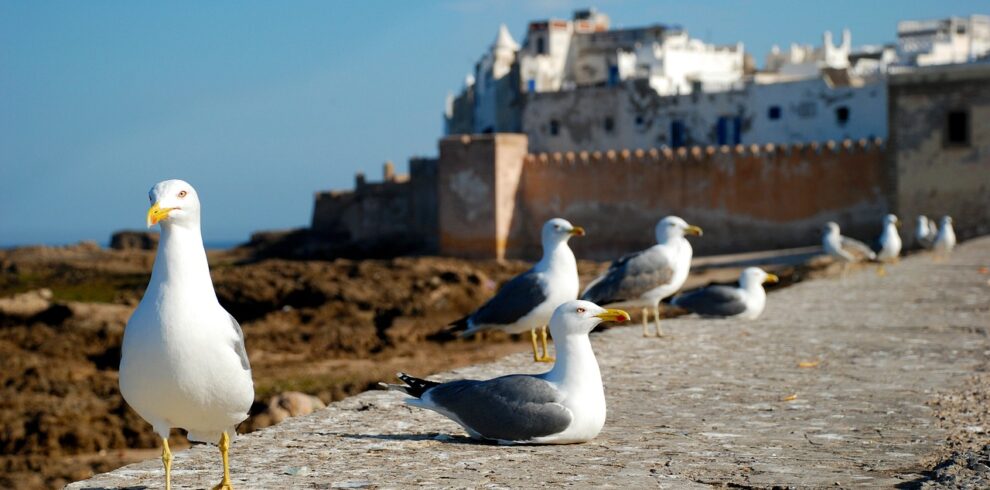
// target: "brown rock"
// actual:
[[134, 240]]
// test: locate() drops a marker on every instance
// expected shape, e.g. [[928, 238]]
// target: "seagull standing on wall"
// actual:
[[889, 244], [565, 405], [925, 232], [945, 241], [644, 278], [529, 299], [183, 362]]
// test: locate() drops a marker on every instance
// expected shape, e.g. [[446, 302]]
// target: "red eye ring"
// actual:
[[182, 194]]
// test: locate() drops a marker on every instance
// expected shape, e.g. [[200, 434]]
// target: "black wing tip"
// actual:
[[415, 386]]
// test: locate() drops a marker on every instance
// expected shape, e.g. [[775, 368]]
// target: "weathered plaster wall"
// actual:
[[633, 115], [934, 177], [397, 215], [477, 177], [746, 198]]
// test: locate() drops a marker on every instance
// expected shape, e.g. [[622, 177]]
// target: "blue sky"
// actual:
[[261, 104]]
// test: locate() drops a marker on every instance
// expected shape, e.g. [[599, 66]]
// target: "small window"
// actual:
[[677, 136], [773, 112], [957, 130], [613, 75], [554, 128], [540, 46], [609, 124], [842, 115], [531, 85]]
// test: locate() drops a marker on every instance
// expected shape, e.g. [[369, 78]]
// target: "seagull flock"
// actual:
[[184, 364]]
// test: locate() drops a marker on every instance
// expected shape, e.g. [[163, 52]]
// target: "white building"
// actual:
[[943, 41], [565, 54], [579, 85], [806, 61]]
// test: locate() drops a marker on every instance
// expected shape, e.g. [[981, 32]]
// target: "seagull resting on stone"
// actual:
[[565, 405], [746, 301], [844, 249], [183, 362], [528, 300], [643, 278]]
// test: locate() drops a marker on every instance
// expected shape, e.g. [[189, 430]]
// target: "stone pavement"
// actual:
[[828, 388]]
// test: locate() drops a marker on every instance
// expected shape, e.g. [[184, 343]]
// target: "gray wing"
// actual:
[[509, 408], [857, 248], [239, 344], [516, 299], [712, 301], [629, 277]]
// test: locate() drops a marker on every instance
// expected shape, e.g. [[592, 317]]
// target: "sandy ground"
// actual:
[[861, 381]]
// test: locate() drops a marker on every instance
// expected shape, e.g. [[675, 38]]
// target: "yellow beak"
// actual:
[[577, 230], [614, 316], [156, 214], [772, 278], [693, 230]]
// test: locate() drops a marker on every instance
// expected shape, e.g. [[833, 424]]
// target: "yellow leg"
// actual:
[[656, 316], [536, 347], [167, 461], [546, 348], [224, 447], [881, 271], [646, 318]]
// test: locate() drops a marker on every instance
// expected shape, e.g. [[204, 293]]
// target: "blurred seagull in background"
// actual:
[[889, 244], [643, 278], [183, 362], [844, 249], [945, 241], [925, 232], [528, 300], [746, 301], [565, 405]]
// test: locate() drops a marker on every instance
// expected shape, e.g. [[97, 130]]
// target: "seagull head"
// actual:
[[559, 230], [946, 220], [173, 202], [831, 228], [581, 317], [674, 227], [891, 219], [754, 276]]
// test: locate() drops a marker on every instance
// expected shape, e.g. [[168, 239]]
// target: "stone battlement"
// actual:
[[702, 152]]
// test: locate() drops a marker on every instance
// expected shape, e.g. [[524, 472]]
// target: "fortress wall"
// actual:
[[745, 197]]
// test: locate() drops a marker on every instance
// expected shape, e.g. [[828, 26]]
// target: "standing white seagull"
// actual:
[[945, 241], [925, 232], [746, 301], [642, 279], [565, 405], [889, 243], [529, 299], [183, 362]]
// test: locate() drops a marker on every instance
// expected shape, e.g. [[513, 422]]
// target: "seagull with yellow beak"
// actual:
[[183, 362], [642, 279], [528, 300], [719, 301]]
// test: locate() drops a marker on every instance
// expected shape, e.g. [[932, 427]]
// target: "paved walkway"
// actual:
[[718, 403]]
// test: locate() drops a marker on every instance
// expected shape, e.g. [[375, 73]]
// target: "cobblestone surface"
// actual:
[[831, 387]]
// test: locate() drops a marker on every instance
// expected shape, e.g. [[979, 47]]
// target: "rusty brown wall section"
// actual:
[[746, 198]]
